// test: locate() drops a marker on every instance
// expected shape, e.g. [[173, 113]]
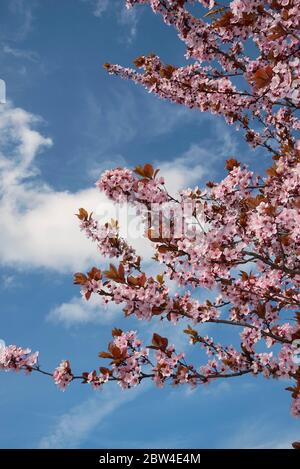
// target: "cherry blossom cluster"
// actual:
[[62, 375], [107, 237], [251, 91], [249, 219], [122, 185], [127, 358], [17, 358]]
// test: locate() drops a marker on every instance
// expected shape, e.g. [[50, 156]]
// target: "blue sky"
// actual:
[[65, 121]]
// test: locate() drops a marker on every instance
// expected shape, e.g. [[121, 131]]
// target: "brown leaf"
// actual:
[[121, 273], [296, 445], [82, 215], [88, 295], [160, 279], [253, 202], [263, 76], [276, 32], [214, 12], [104, 371], [248, 19], [244, 276], [272, 171], [157, 310], [80, 279], [105, 355], [296, 335], [189, 330], [261, 310], [142, 279], [231, 163], [139, 170], [94, 274], [114, 274], [224, 20], [159, 342], [146, 171], [139, 61], [163, 249], [132, 281], [167, 71], [116, 332], [115, 351]]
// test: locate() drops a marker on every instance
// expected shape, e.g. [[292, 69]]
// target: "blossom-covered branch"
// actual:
[[238, 238]]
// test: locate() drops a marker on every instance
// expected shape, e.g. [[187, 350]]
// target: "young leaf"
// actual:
[[82, 215], [80, 279]]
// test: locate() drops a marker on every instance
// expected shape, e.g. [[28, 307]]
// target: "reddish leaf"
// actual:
[[83, 214], [231, 163], [80, 279], [244, 276], [121, 273], [88, 295], [142, 279], [276, 32], [145, 171], [139, 61], [167, 71], [224, 20], [105, 355], [95, 274], [112, 273], [115, 351], [116, 332], [214, 12], [132, 281], [263, 76], [159, 342], [160, 279]]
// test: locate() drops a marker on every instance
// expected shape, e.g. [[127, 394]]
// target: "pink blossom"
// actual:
[[62, 375]]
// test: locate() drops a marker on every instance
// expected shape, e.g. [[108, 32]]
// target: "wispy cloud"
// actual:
[[129, 18], [20, 53], [23, 11], [74, 427], [8, 281], [260, 434], [126, 18], [98, 6]]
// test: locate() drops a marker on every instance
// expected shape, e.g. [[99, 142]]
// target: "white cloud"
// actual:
[[187, 170], [79, 311], [38, 224], [74, 427], [39, 228]]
